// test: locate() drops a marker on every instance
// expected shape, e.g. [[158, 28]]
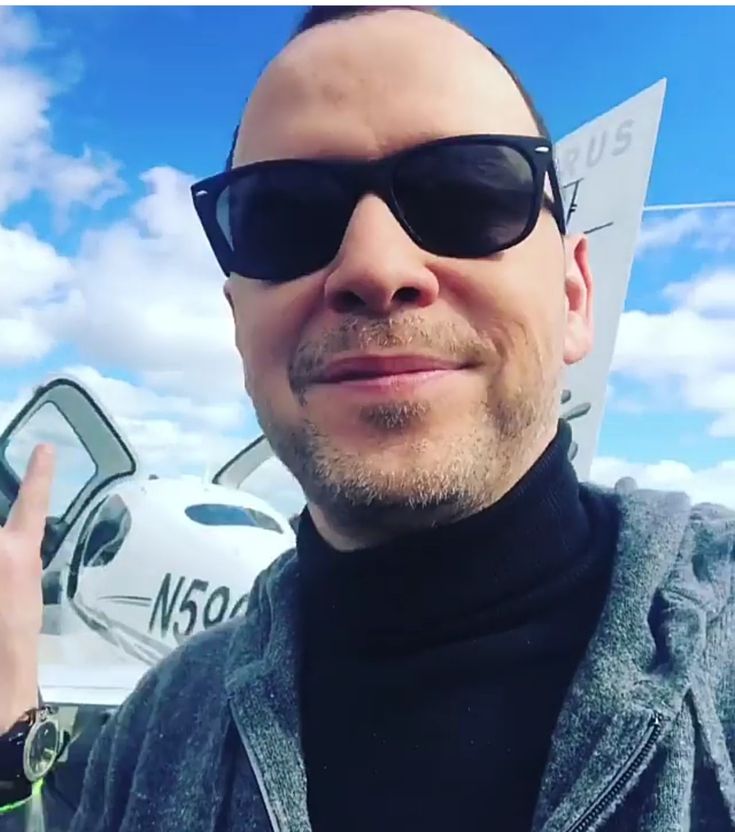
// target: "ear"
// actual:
[[578, 289]]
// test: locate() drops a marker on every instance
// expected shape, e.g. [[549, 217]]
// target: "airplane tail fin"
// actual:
[[604, 168]]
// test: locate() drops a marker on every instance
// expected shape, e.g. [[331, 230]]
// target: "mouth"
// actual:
[[367, 368]]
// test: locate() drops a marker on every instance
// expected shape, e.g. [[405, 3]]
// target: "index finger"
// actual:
[[29, 511]]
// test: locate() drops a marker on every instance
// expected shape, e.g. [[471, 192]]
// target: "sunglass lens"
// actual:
[[466, 200], [283, 222]]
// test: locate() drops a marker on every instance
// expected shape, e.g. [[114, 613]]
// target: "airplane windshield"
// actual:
[[217, 514]]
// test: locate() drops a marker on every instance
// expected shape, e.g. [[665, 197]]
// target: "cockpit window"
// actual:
[[216, 514], [106, 534]]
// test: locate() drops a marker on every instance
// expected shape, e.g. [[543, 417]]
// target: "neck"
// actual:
[[346, 537], [436, 581]]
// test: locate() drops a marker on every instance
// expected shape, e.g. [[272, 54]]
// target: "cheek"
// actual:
[[268, 332], [516, 303], [539, 267]]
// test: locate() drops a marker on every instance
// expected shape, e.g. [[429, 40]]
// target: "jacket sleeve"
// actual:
[[719, 567], [108, 779]]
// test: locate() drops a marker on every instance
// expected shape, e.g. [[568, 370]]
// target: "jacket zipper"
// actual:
[[259, 779], [582, 825], [621, 778]]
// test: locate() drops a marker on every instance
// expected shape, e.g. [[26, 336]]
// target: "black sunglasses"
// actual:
[[465, 197]]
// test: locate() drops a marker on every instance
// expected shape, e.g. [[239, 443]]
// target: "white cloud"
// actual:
[[18, 32], [668, 231], [28, 160], [718, 232], [22, 339], [685, 354], [708, 230], [711, 391], [30, 269], [90, 179], [710, 292], [679, 343], [168, 447], [147, 295], [144, 293], [689, 351], [24, 98], [9, 407], [31, 273], [714, 485]]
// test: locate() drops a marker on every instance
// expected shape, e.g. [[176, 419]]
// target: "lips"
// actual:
[[367, 367]]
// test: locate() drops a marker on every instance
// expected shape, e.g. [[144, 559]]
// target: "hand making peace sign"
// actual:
[[21, 599]]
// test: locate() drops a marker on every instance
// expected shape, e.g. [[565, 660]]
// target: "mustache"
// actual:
[[357, 334]]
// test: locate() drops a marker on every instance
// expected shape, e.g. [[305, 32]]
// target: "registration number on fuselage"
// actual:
[[182, 604]]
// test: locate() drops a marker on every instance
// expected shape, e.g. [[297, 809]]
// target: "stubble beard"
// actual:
[[446, 477]]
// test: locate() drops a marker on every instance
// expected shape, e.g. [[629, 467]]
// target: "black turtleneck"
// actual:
[[435, 666]]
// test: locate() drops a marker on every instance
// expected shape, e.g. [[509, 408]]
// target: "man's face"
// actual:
[[428, 450]]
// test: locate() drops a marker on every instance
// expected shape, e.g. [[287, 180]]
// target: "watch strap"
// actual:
[[19, 795]]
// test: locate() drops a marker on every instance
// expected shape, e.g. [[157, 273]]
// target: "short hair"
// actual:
[[319, 15]]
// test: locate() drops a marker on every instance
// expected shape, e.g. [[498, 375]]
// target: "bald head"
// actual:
[[387, 64]]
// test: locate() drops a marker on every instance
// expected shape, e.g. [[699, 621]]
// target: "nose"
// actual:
[[378, 268]]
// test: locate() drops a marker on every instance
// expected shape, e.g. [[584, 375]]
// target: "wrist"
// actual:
[[12, 710], [18, 696]]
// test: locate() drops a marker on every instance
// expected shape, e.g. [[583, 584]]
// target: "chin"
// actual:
[[390, 456], [383, 482], [391, 435]]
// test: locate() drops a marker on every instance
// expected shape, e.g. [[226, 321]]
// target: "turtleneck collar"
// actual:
[[434, 583]]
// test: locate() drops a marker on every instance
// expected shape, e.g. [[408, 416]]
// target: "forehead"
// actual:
[[375, 84]]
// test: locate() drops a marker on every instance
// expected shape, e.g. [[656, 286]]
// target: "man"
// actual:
[[466, 637]]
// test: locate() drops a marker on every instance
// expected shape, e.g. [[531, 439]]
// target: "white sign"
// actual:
[[604, 168]]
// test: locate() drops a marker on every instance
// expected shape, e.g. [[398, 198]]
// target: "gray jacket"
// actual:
[[209, 742]]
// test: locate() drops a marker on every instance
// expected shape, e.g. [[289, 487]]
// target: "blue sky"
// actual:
[[104, 96]]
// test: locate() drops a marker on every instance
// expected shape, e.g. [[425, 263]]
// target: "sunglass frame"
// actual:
[[376, 176]]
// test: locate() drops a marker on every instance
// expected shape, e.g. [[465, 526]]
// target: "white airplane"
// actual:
[[133, 565]]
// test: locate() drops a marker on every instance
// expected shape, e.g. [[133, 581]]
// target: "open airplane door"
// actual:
[[245, 462], [258, 471], [91, 454]]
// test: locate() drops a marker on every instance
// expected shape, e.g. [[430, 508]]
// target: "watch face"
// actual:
[[41, 749]]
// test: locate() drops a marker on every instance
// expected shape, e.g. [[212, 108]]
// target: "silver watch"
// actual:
[[30, 748], [42, 745]]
